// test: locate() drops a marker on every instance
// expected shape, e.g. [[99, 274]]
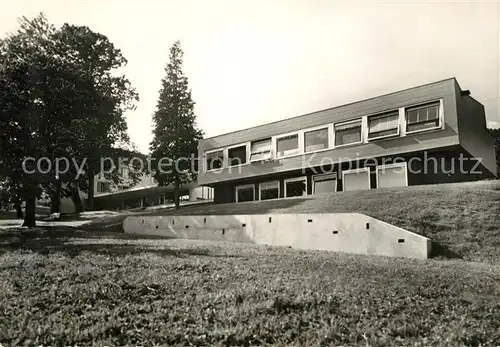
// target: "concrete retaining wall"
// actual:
[[340, 232]]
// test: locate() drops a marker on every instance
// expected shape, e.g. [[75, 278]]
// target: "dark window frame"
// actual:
[[252, 153], [295, 180], [276, 185], [242, 187], [230, 158], [306, 132], [435, 122], [353, 121], [287, 137], [211, 153], [323, 178], [375, 135]]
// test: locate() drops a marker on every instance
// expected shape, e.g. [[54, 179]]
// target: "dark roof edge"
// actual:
[[470, 95]]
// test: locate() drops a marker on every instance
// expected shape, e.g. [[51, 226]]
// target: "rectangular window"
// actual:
[[392, 175], [348, 133], [358, 179], [124, 172], [245, 193], [421, 118], [103, 187], [295, 187], [260, 150], [237, 155], [269, 190], [287, 145], [315, 140], [326, 183], [383, 125], [214, 160]]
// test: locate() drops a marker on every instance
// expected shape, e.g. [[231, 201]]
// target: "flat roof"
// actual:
[[334, 107]]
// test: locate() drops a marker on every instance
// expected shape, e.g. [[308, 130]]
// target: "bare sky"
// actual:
[[254, 61]]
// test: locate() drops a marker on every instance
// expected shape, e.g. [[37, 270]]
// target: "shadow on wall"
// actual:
[[195, 227]]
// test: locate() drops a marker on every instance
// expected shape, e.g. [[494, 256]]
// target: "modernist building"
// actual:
[[146, 192], [434, 133], [126, 195]]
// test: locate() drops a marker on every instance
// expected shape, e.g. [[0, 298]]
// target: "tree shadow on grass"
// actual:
[[73, 242]]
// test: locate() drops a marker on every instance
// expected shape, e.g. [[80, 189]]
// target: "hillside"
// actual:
[[463, 218]]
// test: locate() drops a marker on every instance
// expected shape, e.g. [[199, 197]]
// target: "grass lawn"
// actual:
[[81, 288]]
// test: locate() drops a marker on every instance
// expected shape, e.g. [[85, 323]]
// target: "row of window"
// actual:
[[392, 175], [388, 124]]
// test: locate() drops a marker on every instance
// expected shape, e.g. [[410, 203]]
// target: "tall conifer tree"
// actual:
[[176, 134]]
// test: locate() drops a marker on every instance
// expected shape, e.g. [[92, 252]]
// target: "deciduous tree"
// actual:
[[58, 98], [109, 97]]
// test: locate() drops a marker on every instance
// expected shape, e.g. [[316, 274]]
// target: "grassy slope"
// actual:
[[463, 218], [122, 291]]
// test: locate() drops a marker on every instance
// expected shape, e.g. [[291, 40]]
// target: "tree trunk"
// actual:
[[176, 193], [75, 198], [29, 219], [19, 210], [90, 195], [55, 199]]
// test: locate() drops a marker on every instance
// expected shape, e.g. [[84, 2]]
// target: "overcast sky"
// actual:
[[254, 61]]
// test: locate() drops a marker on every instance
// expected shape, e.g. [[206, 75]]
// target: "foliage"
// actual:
[[5, 194], [110, 96], [59, 98], [76, 289], [175, 132], [33, 87]]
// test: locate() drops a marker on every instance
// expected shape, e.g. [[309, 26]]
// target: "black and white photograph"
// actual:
[[249, 173]]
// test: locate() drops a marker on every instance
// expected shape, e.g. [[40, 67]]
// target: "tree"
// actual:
[[496, 135], [58, 98], [31, 75], [110, 97], [175, 134]]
